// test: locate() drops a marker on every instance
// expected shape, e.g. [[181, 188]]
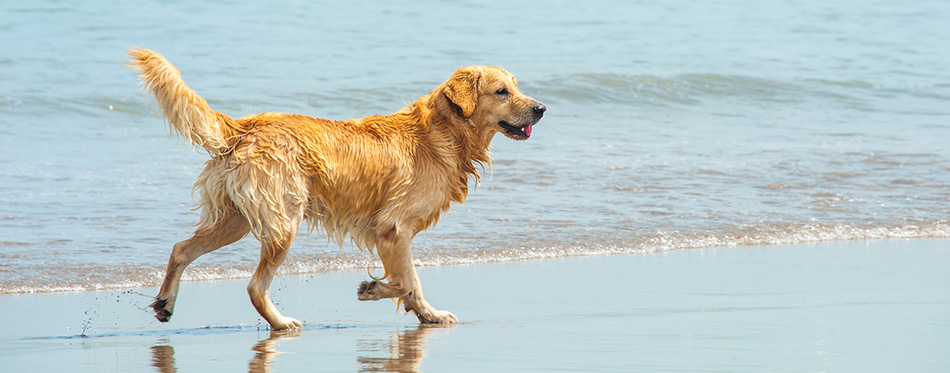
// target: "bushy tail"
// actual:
[[185, 111]]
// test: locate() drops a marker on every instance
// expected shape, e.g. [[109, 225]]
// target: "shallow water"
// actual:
[[670, 125], [881, 305]]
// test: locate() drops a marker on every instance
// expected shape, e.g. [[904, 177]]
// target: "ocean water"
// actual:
[[670, 125]]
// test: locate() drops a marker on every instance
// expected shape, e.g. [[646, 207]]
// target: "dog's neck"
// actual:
[[453, 142]]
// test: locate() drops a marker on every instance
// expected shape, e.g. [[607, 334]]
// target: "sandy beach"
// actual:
[[837, 306]]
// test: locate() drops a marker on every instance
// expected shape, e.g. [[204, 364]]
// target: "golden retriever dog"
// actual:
[[381, 179]]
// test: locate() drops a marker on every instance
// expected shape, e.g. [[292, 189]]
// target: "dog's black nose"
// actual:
[[539, 110]]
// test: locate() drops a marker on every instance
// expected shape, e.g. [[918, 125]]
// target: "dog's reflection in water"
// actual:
[[163, 357], [406, 348], [266, 350]]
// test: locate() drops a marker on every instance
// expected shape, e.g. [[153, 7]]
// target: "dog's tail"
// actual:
[[184, 110]]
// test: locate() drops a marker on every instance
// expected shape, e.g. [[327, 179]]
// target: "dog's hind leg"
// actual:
[[273, 254], [206, 239], [273, 197], [394, 249]]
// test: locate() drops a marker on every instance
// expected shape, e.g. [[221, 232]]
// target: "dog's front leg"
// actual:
[[426, 314], [394, 249]]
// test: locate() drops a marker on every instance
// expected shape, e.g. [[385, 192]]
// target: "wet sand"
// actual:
[[836, 306]]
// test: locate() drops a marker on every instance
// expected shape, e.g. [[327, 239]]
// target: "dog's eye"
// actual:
[[502, 91]]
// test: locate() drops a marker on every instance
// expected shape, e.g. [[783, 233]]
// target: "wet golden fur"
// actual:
[[380, 179]]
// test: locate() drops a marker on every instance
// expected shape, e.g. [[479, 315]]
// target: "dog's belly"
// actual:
[[338, 225], [353, 214]]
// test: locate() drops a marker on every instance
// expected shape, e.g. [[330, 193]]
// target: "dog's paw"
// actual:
[[367, 291], [286, 323], [161, 308], [437, 317]]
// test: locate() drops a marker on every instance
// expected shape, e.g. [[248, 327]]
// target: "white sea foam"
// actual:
[[647, 244]]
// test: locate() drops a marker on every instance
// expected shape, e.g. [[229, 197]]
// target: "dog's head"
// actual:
[[488, 98]]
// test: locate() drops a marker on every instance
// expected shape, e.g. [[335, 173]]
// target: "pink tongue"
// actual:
[[527, 130]]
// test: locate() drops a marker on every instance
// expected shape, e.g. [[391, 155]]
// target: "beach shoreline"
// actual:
[[852, 305], [714, 187]]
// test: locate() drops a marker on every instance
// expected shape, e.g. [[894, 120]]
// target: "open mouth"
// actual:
[[520, 133]]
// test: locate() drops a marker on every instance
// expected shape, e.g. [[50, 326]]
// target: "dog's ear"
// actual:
[[462, 90]]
